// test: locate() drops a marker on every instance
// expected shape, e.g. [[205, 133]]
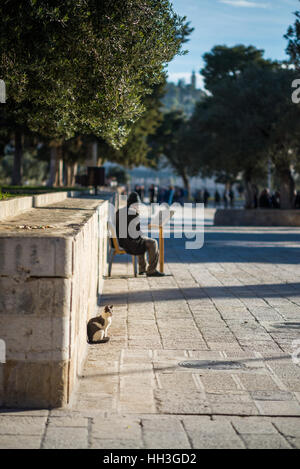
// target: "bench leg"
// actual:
[[110, 261], [134, 262]]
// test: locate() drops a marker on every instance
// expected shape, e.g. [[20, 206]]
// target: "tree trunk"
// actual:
[[52, 175], [60, 170], [68, 174], [186, 183], [73, 173], [287, 188], [18, 159], [249, 194]]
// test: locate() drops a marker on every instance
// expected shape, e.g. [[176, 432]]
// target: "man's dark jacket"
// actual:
[[133, 246]]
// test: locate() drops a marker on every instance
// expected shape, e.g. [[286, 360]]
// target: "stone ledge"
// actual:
[[258, 217], [47, 199], [12, 208], [49, 281]]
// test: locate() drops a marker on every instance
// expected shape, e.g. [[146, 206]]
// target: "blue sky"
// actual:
[[261, 23]]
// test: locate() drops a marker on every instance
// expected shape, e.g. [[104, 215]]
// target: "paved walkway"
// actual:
[[233, 310]]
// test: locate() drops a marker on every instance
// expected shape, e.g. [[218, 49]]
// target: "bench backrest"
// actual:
[[113, 236]]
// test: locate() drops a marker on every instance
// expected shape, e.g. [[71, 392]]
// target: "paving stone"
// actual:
[[172, 402], [15, 425], [272, 396], [207, 434], [177, 381], [265, 442], [294, 442], [116, 432], [66, 438], [165, 433], [116, 443], [68, 421], [253, 425], [218, 382], [278, 408], [234, 408], [288, 426], [20, 442], [228, 398], [257, 382]]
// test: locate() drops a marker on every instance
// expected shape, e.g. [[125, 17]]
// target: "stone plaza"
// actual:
[[205, 357]]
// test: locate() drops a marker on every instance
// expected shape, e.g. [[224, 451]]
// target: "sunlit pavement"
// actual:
[[204, 358]]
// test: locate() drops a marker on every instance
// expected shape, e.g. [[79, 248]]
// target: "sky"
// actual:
[[261, 23]]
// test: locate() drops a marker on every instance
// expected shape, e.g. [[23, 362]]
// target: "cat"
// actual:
[[97, 327]]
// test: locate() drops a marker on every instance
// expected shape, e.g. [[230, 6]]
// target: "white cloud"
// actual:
[[245, 3]]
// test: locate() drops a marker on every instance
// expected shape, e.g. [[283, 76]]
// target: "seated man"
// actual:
[[132, 240]]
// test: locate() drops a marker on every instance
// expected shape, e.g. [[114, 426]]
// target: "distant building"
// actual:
[[194, 80], [183, 96]]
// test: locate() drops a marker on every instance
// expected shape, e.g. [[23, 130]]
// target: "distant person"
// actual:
[[265, 199], [206, 196], [255, 195], [217, 198], [171, 193], [297, 200], [138, 190], [198, 197], [181, 195], [231, 198], [142, 193], [152, 194], [134, 242], [176, 195], [275, 200], [161, 195]]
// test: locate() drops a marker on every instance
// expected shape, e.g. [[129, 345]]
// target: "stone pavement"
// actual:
[[232, 309]]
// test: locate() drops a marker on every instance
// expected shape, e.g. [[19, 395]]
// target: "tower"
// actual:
[[193, 80]]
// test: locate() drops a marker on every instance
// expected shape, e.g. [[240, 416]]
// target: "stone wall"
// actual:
[[259, 217], [49, 282], [11, 208]]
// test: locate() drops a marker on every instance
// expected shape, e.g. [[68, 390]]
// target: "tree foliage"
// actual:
[[84, 66], [224, 62], [247, 121]]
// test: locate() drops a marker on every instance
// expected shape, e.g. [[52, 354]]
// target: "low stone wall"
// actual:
[[49, 281], [258, 217], [46, 199], [11, 208]]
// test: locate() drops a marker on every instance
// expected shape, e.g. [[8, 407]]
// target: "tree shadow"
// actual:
[[287, 325], [229, 365], [198, 293]]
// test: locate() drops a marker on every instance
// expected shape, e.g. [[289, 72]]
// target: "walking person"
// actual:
[[231, 198], [206, 196], [151, 194], [217, 198], [225, 199]]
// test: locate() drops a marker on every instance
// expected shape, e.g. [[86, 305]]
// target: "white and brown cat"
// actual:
[[97, 328]]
